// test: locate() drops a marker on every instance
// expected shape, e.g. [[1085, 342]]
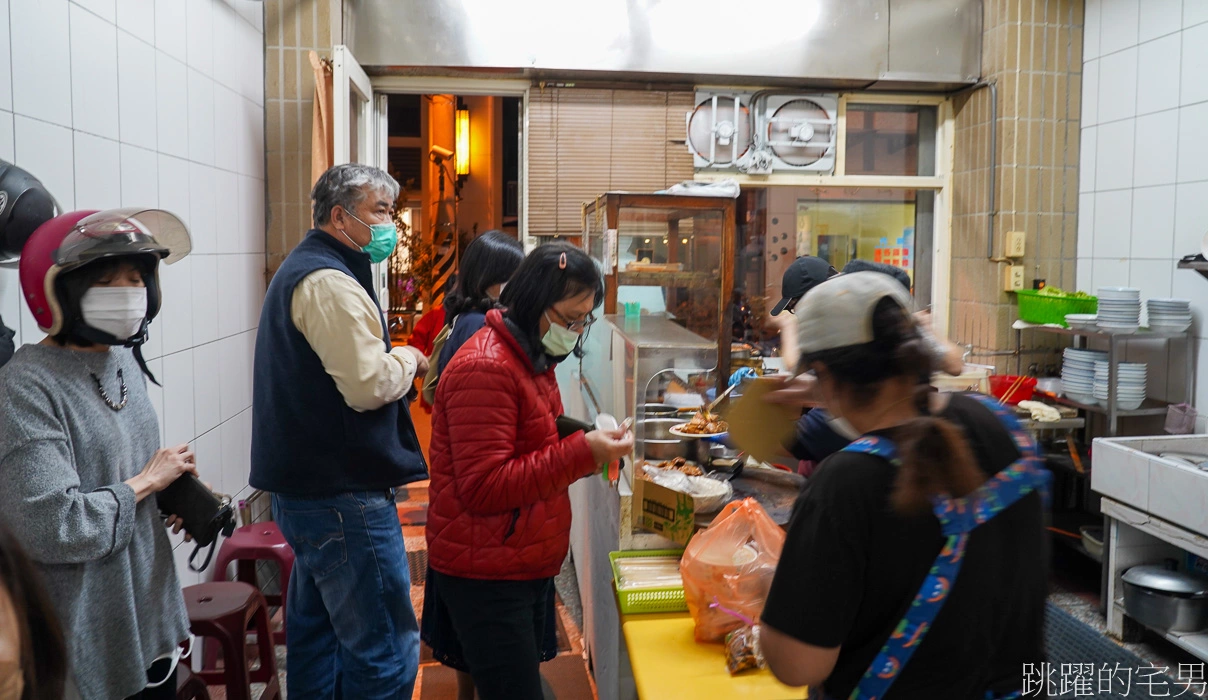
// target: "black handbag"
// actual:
[[203, 513]]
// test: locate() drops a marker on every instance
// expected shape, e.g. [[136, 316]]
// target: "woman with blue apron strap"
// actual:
[[958, 517]]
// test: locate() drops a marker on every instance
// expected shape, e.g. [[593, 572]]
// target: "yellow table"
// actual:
[[668, 663]]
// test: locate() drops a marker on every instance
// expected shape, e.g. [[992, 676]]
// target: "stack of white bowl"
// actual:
[[1169, 315], [1078, 374], [1130, 384], [1081, 322], [1119, 309]]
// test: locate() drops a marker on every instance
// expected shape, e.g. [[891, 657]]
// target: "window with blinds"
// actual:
[[583, 143]]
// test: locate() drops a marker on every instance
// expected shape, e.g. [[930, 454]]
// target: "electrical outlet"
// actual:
[[1016, 243], [1013, 278]]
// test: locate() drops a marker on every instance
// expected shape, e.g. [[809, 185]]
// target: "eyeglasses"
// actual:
[[575, 326]]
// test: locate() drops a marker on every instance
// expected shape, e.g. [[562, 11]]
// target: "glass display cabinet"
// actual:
[[667, 257]]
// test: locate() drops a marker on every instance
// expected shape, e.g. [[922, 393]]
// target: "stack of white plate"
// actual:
[[1081, 322], [1169, 315], [1078, 374], [1130, 384], [1119, 309]]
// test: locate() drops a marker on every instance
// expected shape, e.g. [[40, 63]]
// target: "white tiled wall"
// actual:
[[1143, 184], [157, 103]]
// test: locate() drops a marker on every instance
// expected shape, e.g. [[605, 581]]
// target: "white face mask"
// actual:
[[118, 311]]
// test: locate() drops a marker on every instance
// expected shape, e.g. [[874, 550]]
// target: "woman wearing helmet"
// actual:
[[80, 452]]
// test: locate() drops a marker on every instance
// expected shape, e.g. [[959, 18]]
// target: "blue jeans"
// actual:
[[352, 632]]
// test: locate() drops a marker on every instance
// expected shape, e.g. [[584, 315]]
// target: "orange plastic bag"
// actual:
[[730, 563]]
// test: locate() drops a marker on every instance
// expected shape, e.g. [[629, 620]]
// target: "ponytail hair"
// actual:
[[934, 456]]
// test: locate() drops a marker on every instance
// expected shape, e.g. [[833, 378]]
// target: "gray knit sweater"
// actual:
[[107, 562]]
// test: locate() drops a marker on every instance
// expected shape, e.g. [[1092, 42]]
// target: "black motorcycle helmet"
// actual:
[[25, 204]]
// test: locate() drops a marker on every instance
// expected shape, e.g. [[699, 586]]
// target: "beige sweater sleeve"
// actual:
[[344, 328]]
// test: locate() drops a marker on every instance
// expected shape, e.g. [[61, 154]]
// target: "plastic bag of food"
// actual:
[[730, 563], [742, 650]]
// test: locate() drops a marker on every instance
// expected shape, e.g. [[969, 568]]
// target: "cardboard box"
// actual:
[[663, 511]]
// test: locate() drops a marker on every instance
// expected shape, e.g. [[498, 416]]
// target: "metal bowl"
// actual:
[[658, 410], [653, 434]]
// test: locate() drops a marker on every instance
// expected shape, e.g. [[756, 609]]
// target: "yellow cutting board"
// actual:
[[758, 427]]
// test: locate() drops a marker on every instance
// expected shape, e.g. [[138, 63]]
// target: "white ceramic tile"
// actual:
[[1118, 78], [205, 298], [251, 139], [234, 365], [1153, 223], [1090, 93], [1152, 277], [207, 449], [1195, 65], [254, 287], [227, 114], [226, 190], [207, 411], [202, 213], [11, 302], [46, 149], [1158, 74], [236, 452], [201, 118], [251, 215], [140, 177], [1086, 164], [136, 91], [1114, 156], [138, 18], [7, 141], [231, 301], [1176, 374], [95, 160], [1085, 272], [1086, 225], [105, 9], [1194, 12], [1119, 28], [1092, 22], [1177, 495], [1190, 219], [178, 398], [172, 105], [1160, 17], [226, 47], [155, 393], [1122, 475], [1110, 272], [200, 41], [1157, 148], [176, 314], [93, 74], [1113, 225], [252, 13], [1193, 143], [250, 47], [6, 67], [41, 60], [1186, 284], [170, 34], [174, 186]]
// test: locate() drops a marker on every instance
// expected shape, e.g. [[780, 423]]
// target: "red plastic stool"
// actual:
[[223, 611], [188, 686], [246, 546]]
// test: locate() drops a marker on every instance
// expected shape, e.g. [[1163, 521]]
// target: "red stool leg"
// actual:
[[267, 673]]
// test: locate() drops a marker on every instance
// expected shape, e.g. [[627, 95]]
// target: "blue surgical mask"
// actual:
[[559, 341], [384, 237]]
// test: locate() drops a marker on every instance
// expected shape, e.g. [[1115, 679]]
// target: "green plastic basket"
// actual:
[[667, 599], [1035, 307]]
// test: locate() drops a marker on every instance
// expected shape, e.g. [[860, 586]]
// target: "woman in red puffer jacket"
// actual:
[[499, 513]]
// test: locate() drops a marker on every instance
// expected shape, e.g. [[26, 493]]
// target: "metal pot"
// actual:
[[658, 443], [658, 410], [1164, 598]]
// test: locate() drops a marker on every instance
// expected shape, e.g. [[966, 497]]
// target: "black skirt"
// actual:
[[436, 627]]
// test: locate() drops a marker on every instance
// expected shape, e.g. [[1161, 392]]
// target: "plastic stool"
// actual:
[[223, 611], [246, 546], [188, 686]]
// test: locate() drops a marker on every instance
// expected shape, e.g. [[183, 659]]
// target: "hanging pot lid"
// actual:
[[1164, 579]]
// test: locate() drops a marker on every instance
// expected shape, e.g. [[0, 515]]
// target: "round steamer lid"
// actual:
[[1165, 580]]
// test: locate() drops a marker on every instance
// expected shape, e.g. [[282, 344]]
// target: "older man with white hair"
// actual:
[[331, 440]]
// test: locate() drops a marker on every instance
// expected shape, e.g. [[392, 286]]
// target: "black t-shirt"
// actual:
[[851, 567]]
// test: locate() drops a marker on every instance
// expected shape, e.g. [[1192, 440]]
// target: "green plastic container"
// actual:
[[667, 599], [1035, 307]]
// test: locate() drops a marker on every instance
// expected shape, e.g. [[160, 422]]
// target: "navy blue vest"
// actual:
[[305, 440]]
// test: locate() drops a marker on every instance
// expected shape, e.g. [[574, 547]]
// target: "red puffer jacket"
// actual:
[[498, 503]]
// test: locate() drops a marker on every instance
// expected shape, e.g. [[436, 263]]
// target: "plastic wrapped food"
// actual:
[[635, 573], [742, 650]]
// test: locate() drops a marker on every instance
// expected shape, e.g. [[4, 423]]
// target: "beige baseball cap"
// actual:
[[838, 313]]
